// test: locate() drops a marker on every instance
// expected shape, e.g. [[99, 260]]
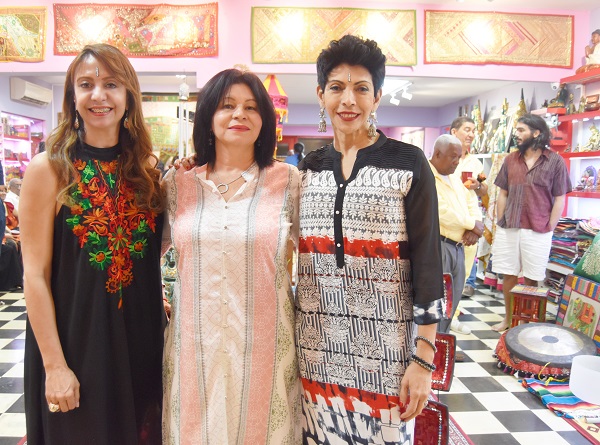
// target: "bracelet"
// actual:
[[422, 363], [426, 340]]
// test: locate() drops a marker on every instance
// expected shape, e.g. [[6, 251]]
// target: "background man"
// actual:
[[464, 129], [533, 182], [14, 191], [460, 218]]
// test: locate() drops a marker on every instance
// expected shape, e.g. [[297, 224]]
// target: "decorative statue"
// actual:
[[592, 54], [581, 108], [499, 139], [588, 179], [560, 101], [592, 51], [593, 142], [476, 116], [571, 108]]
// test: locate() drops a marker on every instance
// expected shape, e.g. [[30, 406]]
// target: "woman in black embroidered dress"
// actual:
[[370, 270], [90, 229]]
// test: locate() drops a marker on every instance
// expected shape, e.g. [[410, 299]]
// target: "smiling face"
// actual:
[[465, 134], [237, 120], [101, 101], [349, 102]]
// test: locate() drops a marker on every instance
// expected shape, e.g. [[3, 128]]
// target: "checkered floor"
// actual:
[[491, 407]]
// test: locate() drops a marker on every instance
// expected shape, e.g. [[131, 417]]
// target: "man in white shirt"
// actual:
[[14, 191]]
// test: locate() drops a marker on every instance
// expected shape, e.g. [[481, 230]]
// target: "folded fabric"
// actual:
[[558, 398]]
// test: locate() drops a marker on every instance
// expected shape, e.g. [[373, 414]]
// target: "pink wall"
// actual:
[[234, 44]]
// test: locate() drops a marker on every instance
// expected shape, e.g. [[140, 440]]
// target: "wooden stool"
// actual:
[[529, 304]]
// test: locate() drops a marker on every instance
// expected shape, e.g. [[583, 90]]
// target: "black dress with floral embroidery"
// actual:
[[106, 288]]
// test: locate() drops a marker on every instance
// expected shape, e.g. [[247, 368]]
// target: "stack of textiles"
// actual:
[[557, 397], [571, 239], [555, 281]]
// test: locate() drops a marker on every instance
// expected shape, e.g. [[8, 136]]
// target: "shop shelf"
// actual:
[[583, 78], [584, 194], [591, 115]]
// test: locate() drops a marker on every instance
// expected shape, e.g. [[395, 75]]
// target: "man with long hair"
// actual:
[[533, 183]]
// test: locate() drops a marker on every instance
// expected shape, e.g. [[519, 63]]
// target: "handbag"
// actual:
[[592, 103]]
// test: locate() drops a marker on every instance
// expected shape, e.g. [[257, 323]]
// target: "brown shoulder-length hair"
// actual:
[[137, 159]]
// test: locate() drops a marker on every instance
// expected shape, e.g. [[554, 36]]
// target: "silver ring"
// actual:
[[425, 403], [53, 407]]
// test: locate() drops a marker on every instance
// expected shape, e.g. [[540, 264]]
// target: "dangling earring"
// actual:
[[322, 123], [76, 123], [372, 128], [258, 143], [126, 120], [210, 139]]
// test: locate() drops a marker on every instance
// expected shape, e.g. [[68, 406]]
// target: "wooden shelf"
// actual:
[[583, 78], [583, 194], [582, 154], [579, 116]]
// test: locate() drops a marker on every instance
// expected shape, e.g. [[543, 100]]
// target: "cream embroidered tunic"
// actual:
[[230, 373]]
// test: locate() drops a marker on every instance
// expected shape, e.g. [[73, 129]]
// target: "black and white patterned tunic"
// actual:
[[369, 266]]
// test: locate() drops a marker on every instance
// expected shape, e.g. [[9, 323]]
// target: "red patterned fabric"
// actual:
[[514, 365]]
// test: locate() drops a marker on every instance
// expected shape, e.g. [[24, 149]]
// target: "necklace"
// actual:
[[224, 187]]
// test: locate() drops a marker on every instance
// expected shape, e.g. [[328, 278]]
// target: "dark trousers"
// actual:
[[453, 262]]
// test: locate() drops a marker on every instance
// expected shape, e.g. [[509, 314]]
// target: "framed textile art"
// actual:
[[579, 307], [498, 38], [297, 35], [159, 30], [22, 34]]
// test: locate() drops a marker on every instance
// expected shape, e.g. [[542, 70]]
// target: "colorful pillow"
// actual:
[[589, 265]]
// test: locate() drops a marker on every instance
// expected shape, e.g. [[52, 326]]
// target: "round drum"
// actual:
[[541, 349]]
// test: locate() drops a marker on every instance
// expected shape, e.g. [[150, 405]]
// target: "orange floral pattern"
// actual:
[[109, 225]]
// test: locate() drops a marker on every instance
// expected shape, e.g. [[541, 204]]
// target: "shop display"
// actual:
[[19, 140], [579, 307]]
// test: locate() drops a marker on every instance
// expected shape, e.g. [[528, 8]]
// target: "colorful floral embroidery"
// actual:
[[109, 225]]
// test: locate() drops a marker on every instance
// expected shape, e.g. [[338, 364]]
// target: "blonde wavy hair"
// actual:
[[137, 159]]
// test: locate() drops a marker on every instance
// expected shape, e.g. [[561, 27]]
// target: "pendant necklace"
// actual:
[[224, 187]]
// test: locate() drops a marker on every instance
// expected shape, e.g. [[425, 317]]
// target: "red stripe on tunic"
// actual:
[[356, 248], [377, 402]]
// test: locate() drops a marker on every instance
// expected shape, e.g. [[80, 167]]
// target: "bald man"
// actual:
[[460, 218]]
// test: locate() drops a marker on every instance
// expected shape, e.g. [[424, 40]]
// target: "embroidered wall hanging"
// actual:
[[138, 30], [498, 38], [297, 35], [22, 34]]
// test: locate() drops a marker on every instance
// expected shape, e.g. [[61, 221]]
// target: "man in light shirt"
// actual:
[[14, 191], [460, 218]]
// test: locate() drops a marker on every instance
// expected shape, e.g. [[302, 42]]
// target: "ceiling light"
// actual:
[[406, 95], [393, 100], [391, 85]]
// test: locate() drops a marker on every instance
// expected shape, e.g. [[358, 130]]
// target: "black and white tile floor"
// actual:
[[491, 407]]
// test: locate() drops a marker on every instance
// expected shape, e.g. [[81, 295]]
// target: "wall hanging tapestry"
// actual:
[[297, 35], [138, 30], [22, 34], [498, 38]]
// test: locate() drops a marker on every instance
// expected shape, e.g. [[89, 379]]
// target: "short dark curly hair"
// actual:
[[353, 51]]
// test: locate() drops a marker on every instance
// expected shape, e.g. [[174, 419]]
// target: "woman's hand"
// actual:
[[62, 388], [416, 383], [187, 163]]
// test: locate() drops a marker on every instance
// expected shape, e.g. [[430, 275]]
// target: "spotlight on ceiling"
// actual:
[[406, 95], [393, 100]]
